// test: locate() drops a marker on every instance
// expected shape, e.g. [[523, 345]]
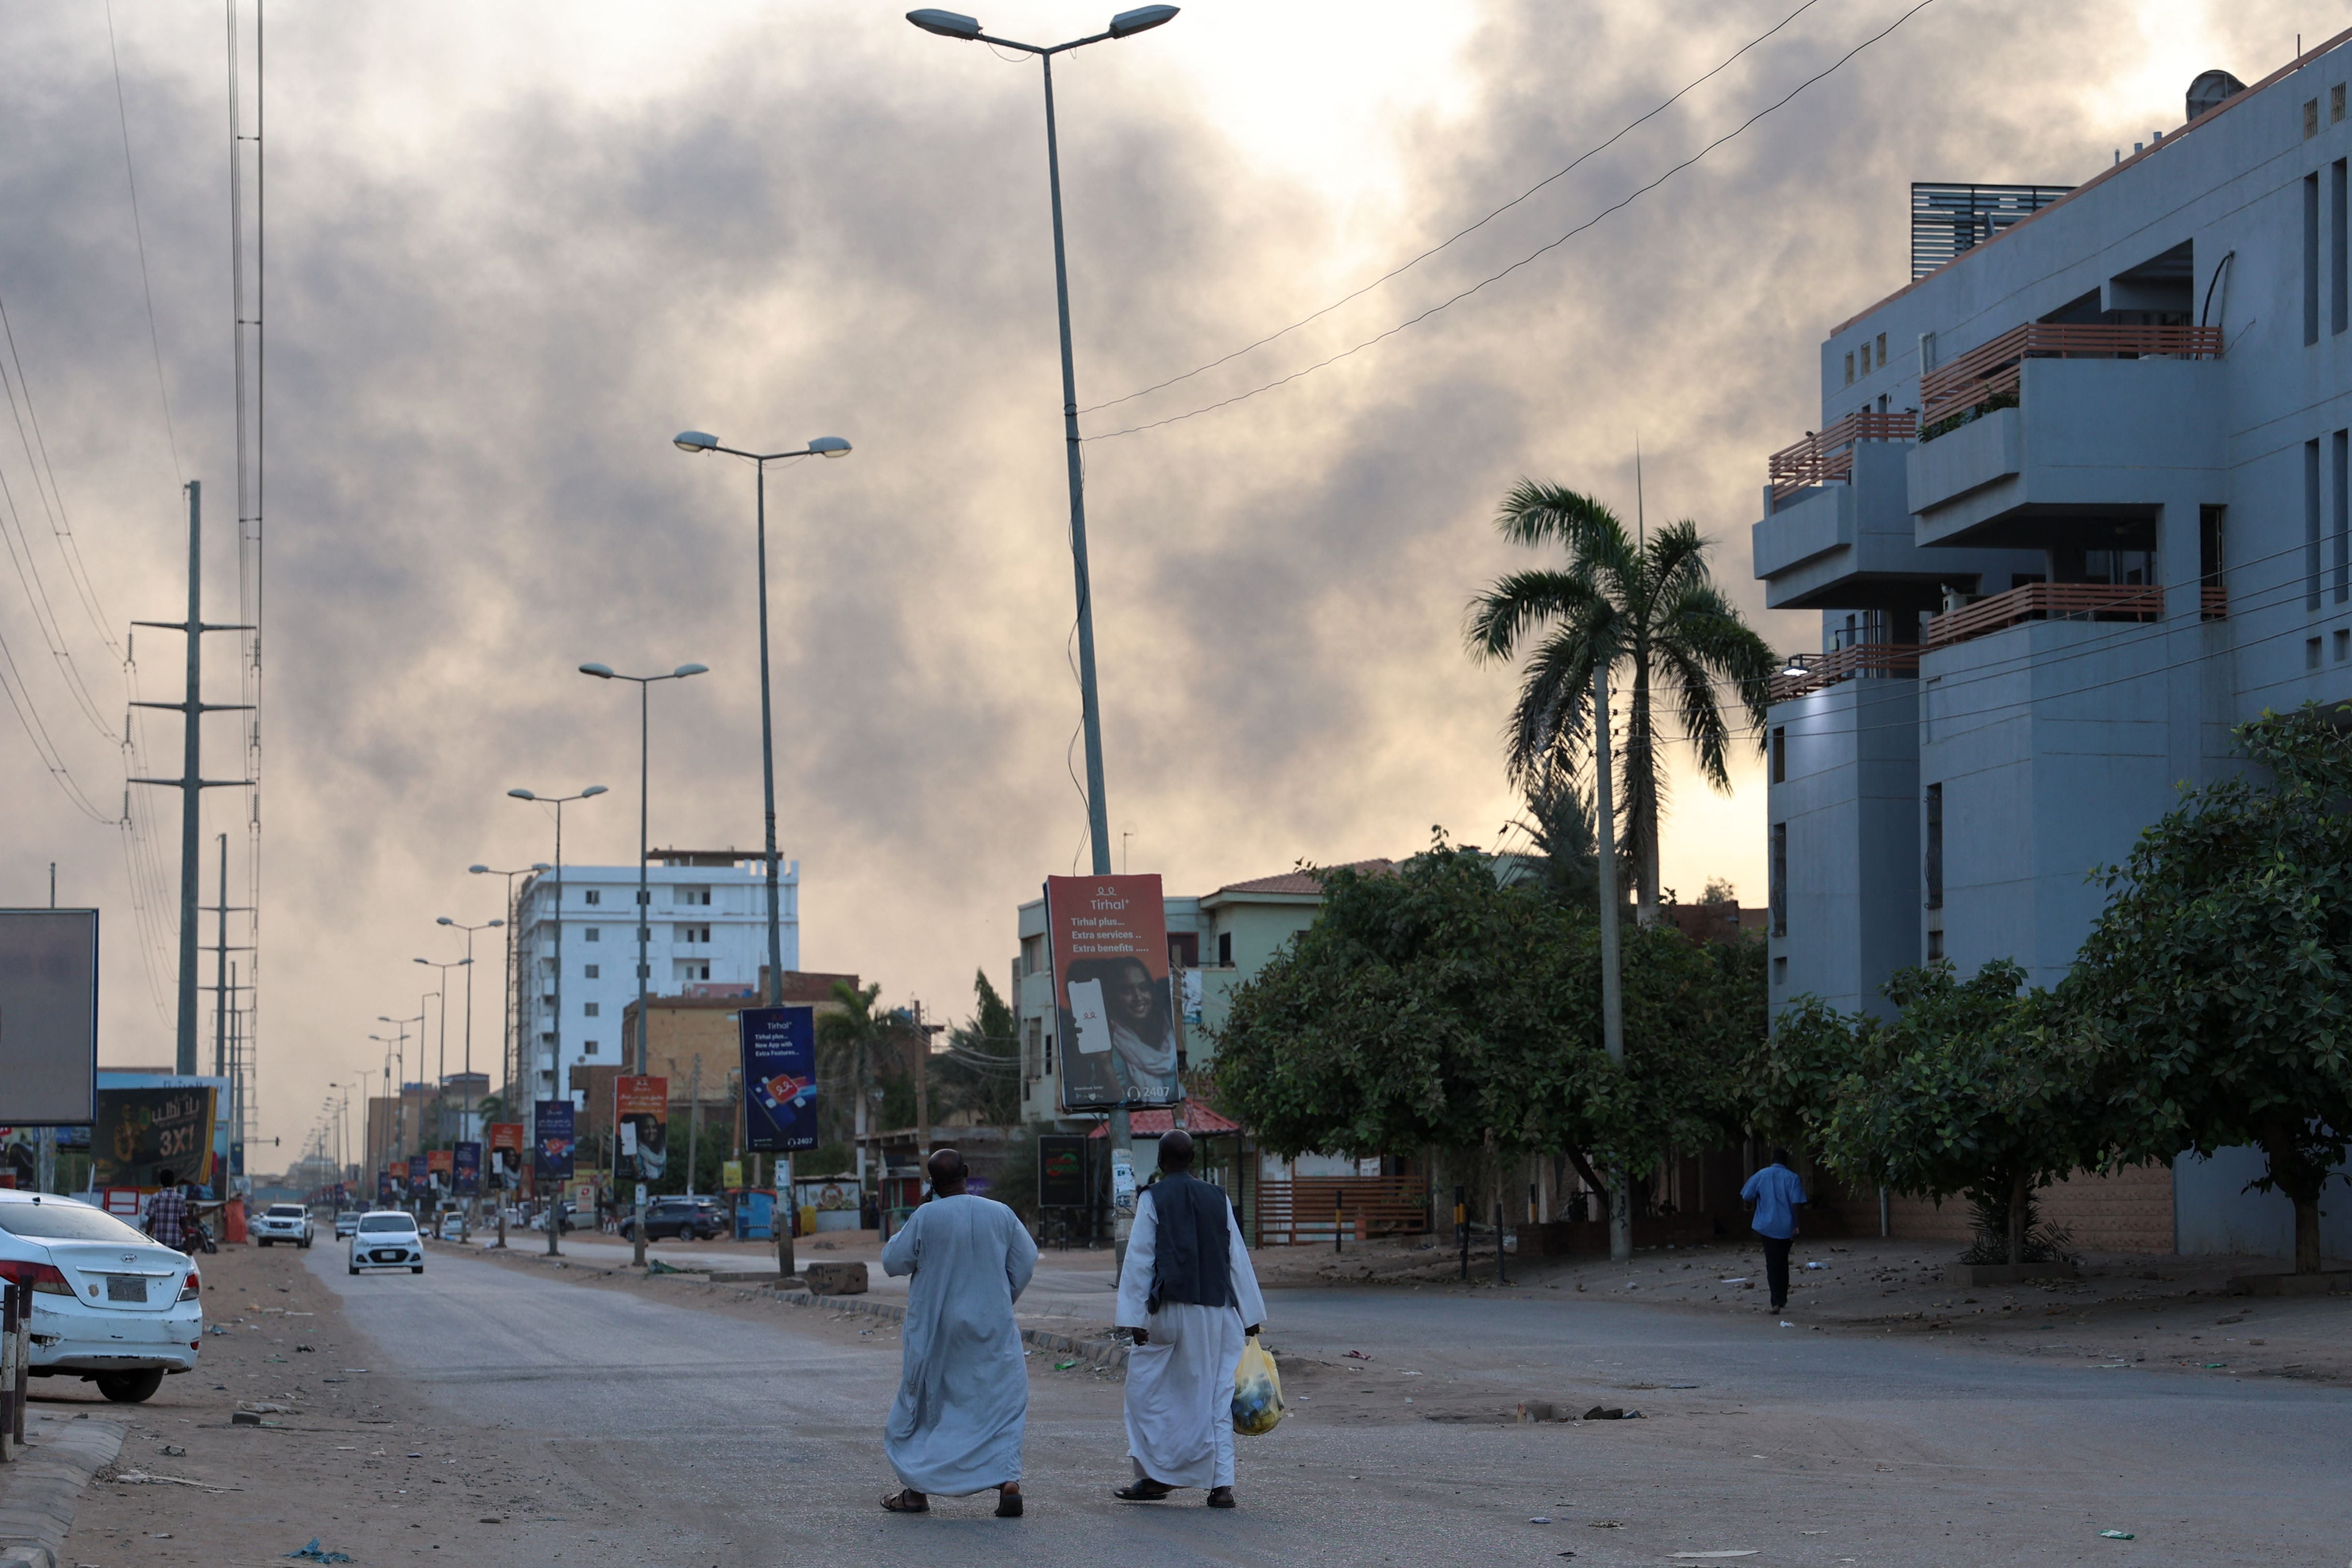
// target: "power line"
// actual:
[[131, 178], [1540, 251], [1407, 266]]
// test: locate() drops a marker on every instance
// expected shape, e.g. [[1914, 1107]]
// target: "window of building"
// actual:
[[2311, 119], [2338, 300], [1049, 1056], [587, 1048], [692, 971], [1935, 946], [594, 933], [1780, 971], [593, 971], [1933, 867], [1882, 350], [1224, 949], [2210, 559], [1849, 370], [694, 933], [2311, 653], [1779, 755], [547, 1039], [1926, 353], [591, 1010], [2335, 103], [2311, 259], [1183, 949], [593, 895], [2343, 646], [1779, 870], [2311, 524], [1033, 1049], [697, 895]]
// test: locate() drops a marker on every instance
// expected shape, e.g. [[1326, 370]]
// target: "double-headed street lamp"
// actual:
[[509, 1048], [823, 446], [645, 892], [1125, 25], [441, 1073], [554, 1202], [398, 1093], [467, 1125]]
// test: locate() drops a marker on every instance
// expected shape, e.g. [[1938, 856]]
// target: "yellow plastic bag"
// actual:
[[1257, 1392]]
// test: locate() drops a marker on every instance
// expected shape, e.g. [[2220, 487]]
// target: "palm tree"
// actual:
[[1565, 866], [1651, 607], [846, 1039]]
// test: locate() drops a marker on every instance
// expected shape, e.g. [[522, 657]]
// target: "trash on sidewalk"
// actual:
[[1357, 1356], [2117, 1535], [314, 1553], [1540, 1518], [1604, 1413], [1787, 1324], [658, 1267], [1741, 1551], [1816, 1265]]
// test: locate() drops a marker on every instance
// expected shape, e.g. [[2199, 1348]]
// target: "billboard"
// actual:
[[507, 1144], [440, 1165], [1061, 1170], [139, 1132], [419, 1174], [551, 1154], [1120, 1041], [779, 1078], [641, 1120], [384, 1186], [48, 1015], [465, 1170]]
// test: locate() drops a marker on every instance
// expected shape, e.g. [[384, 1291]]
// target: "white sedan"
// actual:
[[110, 1305], [387, 1238]]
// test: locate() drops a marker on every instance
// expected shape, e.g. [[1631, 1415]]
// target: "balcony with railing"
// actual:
[[1811, 673], [2063, 602], [2059, 418], [1826, 456]]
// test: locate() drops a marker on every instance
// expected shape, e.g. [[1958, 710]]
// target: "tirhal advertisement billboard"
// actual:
[[139, 1132], [641, 1116], [779, 1078], [465, 1170], [1119, 1042], [420, 1175], [552, 1150], [506, 1146], [49, 1017]]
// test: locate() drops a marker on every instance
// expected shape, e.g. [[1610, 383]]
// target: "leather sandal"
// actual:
[[1144, 1490], [1221, 1497], [907, 1502], [1008, 1504]]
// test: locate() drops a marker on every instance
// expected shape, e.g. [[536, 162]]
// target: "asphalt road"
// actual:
[[708, 1438]]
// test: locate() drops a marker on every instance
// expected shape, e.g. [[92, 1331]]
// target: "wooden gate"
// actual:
[[1307, 1210]]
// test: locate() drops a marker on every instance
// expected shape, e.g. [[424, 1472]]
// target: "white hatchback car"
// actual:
[[387, 1238], [110, 1305], [282, 1222]]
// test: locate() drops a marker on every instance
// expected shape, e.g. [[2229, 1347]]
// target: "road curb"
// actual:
[[39, 1491], [1109, 1355]]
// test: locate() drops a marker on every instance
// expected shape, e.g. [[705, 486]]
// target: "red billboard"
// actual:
[[507, 1161], [1119, 1042], [641, 1116]]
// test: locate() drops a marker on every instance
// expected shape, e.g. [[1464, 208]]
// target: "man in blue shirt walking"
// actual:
[[1775, 1191]]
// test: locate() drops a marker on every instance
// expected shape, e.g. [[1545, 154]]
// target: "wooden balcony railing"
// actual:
[[1990, 370], [1824, 670], [1824, 456], [1314, 1210], [2063, 602]]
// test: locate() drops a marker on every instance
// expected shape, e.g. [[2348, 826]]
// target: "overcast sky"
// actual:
[[513, 248]]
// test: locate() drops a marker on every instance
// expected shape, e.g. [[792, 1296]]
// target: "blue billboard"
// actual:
[[466, 1171], [779, 1078], [552, 1140]]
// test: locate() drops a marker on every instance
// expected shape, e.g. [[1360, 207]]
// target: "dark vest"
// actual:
[[1191, 1257]]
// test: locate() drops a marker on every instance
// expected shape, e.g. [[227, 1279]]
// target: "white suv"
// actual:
[[111, 1306], [283, 1222], [387, 1238]]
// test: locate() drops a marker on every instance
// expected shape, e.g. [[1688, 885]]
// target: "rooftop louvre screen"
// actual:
[[1948, 219]]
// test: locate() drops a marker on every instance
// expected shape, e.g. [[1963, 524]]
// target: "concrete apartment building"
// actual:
[[2080, 501], [707, 937]]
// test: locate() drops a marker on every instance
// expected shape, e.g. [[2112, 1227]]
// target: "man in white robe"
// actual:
[[963, 1388], [1191, 1299]]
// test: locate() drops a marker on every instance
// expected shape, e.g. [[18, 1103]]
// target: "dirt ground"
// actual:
[[2152, 1314]]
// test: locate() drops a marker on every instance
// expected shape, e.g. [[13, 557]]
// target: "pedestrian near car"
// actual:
[[963, 1384], [1775, 1191], [166, 1217], [1191, 1299]]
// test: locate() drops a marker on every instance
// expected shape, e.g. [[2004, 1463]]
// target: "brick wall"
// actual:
[[2130, 1211]]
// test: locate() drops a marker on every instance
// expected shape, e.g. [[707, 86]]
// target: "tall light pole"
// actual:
[[1125, 25], [399, 1107], [554, 1203], [509, 1046], [644, 893], [441, 1073], [823, 446], [465, 1126]]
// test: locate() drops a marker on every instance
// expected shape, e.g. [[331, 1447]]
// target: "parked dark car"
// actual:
[[688, 1219]]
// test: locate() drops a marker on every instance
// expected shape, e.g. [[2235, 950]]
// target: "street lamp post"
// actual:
[[644, 893], [465, 1129], [823, 446], [441, 1074], [554, 1204], [511, 1047], [1127, 24], [398, 1129]]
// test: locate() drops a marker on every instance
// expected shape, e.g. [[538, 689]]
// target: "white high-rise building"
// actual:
[[707, 935]]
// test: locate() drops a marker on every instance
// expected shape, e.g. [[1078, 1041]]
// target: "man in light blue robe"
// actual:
[[963, 1388]]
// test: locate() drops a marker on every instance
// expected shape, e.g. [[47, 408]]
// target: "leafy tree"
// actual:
[[1650, 606], [2217, 987], [1435, 1007], [1970, 1088], [980, 1069], [849, 1041]]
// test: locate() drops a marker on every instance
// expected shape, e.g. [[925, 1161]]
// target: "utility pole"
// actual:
[[191, 783], [1612, 984]]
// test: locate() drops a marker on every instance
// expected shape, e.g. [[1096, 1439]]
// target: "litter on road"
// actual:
[[1740, 1551], [2117, 1535], [314, 1553]]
